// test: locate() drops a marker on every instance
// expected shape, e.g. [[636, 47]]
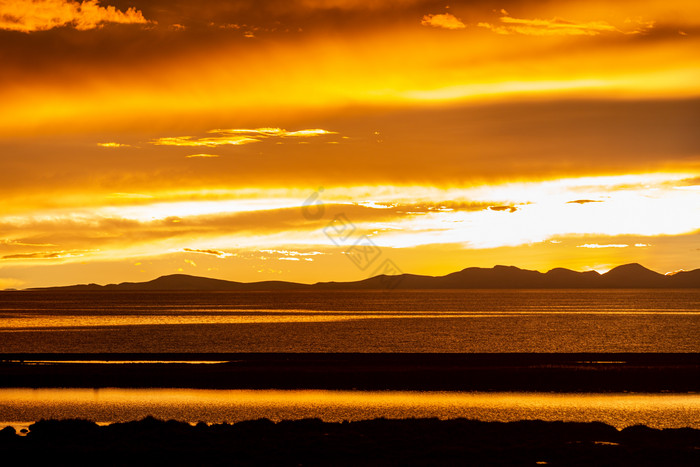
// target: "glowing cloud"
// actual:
[[291, 253], [445, 20], [42, 15], [201, 156], [113, 145], [217, 253], [270, 132], [596, 245], [558, 27], [45, 255], [191, 141], [236, 137]]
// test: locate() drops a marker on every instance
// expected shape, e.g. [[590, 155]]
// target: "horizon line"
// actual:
[[668, 274]]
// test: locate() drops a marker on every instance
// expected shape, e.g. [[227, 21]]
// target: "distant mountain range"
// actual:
[[499, 277]]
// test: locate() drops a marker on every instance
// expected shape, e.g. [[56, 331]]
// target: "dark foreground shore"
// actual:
[[585, 372], [381, 442]]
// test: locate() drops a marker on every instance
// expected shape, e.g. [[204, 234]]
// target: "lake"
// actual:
[[352, 321]]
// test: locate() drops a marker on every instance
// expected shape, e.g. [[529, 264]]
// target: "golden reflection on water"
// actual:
[[22, 321], [216, 406]]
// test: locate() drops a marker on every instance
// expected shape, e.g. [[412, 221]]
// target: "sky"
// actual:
[[316, 140]]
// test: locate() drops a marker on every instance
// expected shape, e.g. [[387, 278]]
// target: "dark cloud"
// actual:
[[101, 232], [583, 201], [503, 208], [45, 255], [467, 144]]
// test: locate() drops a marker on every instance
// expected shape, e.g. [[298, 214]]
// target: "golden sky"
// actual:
[[143, 138]]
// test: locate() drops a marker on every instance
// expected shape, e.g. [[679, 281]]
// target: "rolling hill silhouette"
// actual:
[[499, 277]]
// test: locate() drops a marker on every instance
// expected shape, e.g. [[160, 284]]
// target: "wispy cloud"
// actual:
[[46, 255], [489, 216], [445, 20], [127, 196], [612, 245], [113, 145], [237, 137], [503, 208], [560, 27], [217, 253], [20, 243], [42, 15], [583, 201], [271, 132], [292, 252], [191, 156], [209, 142], [609, 245]]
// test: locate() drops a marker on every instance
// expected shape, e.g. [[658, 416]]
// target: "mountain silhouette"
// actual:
[[632, 275], [499, 277]]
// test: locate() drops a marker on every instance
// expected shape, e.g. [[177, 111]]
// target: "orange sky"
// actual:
[[146, 138]]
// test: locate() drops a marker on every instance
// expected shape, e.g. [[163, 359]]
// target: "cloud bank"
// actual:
[[42, 15]]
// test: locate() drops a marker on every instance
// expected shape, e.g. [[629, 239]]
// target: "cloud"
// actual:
[[687, 183], [445, 20], [42, 15], [503, 208], [114, 145], [583, 201], [45, 255], [612, 245], [560, 27], [292, 252], [596, 245], [270, 132], [211, 142], [135, 196], [236, 137], [20, 243], [217, 253], [201, 156]]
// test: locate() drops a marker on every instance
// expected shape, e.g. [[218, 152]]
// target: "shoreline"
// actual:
[[582, 372], [370, 442]]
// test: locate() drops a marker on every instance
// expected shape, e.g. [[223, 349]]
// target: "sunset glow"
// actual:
[[139, 139]]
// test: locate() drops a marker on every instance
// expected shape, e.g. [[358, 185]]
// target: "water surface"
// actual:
[[18, 407], [353, 321]]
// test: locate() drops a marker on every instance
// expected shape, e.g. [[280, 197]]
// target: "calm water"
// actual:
[[354, 321], [19, 407]]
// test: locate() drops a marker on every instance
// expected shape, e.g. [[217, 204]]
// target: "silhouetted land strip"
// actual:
[[632, 275], [583, 372], [379, 442]]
